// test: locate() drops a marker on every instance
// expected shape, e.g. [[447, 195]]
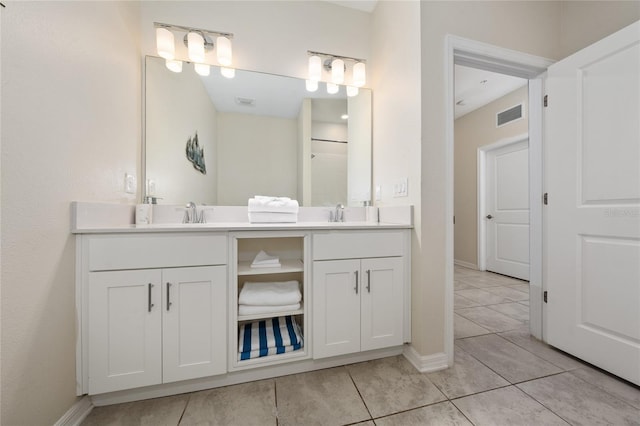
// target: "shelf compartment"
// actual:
[[270, 314], [287, 266]]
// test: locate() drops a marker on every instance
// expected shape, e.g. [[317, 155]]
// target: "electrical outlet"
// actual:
[[129, 183]]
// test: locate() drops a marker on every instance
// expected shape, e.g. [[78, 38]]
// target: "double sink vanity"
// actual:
[[157, 305]]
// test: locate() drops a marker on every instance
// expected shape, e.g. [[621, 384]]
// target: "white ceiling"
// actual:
[[476, 88]]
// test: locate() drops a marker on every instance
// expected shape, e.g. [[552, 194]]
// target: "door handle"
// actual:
[[168, 296], [149, 304], [356, 282], [489, 216]]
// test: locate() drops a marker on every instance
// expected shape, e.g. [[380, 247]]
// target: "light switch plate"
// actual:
[[129, 183], [401, 188]]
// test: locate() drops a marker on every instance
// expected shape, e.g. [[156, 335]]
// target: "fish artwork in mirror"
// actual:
[[257, 133], [195, 154]]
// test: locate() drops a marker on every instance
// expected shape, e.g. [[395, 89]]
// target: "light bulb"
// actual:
[[195, 44], [165, 43], [337, 71], [312, 85], [359, 74], [332, 89], [202, 69], [315, 68], [352, 91], [173, 65], [228, 72], [223, 51]]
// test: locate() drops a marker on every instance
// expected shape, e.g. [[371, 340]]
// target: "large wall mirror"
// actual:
[[220, 141]]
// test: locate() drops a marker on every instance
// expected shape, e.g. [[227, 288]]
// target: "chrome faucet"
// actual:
[[338, 215], [191, 214]]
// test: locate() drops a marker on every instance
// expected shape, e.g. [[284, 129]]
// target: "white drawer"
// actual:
[[113, 252], [353, 245]]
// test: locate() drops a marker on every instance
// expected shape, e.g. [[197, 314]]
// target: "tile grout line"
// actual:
[[360, 395], [275, 400], [184, 410]]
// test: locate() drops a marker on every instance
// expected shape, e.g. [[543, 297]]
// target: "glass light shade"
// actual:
[[202, 69], [195, 44], [352, 91], [315, 68], [228, 72], [332, 89], [223, 51], [359, 74], [165, 43], [337, 71], [312, 85], [175, 66]]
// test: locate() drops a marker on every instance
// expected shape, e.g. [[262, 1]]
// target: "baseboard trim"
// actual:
[[426, 363], [465, 264], [77, 413]]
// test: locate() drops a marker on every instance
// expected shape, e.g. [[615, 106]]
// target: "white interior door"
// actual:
[[592, 235], [507, 209]]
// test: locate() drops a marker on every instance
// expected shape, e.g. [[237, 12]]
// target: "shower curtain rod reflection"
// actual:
[[328, 140]]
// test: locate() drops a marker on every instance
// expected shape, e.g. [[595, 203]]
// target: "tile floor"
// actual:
[[501, 376]]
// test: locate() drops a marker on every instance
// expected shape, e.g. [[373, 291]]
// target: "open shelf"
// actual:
[[288, 265]]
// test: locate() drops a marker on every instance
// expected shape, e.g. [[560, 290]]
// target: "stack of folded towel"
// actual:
[[268, 297], [269, 337], [264, 209], [263, 260]]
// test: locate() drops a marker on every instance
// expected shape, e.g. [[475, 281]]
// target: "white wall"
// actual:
[[472, 131], [71, 90], [177, 108], [360, 134], [256, 156]]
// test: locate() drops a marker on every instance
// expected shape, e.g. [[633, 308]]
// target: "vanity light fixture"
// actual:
[[332, 88], [352, 91], [336, 65], [198, 42], [228, 72], [312, 85]]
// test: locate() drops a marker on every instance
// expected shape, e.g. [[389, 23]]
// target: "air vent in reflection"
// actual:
[[246, 101]]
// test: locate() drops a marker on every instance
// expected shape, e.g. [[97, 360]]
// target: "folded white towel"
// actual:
[[260, 203], [263, 260], [267, 217], [264, 309], [270, 293]]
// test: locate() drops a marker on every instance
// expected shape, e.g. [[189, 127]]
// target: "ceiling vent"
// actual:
[[509, 115], [245, 101]]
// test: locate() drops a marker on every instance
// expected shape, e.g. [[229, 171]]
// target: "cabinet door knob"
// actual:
[[149, 304], [356, 282], [168, 296]]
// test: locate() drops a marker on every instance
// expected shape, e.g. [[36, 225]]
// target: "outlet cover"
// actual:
[[129, 183]]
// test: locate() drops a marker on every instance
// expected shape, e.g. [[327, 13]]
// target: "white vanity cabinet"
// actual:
[[358, 292], [147, 325]]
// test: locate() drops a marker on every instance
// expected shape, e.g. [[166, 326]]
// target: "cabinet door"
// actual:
[[194, 322], [125, 334], [382, 303], [336, 307]]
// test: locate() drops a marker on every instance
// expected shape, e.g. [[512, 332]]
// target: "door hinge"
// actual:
[[544, 296], [546, 100], [545, 198]]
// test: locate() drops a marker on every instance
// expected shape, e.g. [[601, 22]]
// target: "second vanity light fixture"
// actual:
[[336, 65], [198, 42]]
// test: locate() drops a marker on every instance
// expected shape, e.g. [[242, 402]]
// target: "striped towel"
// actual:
[[267, 337]]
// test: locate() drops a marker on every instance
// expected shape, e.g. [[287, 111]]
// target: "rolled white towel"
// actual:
[[270, 293], [258, 310]]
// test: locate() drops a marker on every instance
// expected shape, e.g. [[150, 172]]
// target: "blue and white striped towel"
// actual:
[[267, 337]]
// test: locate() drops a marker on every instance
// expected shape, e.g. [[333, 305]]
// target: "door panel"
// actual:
[[507, 202], [194, 324], [592, 236]]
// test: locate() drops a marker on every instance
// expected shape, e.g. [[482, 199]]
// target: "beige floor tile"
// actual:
[[580, 403], [462, 285], [151, 412], [462, 328], [520, 287], [514, 310], [508, 360], [462, 302], [523, 302], [323, 397], [248, 404], [481, 281], [482, 296], [506, 406], [526, 341], [390, 385], [465, 377], [442, 414], [490, 319], [610, 384], [509, 293]]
